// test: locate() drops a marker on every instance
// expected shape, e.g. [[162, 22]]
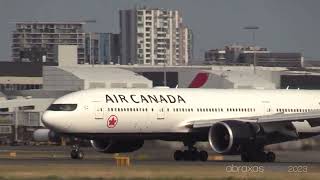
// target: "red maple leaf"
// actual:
[[112, 121]]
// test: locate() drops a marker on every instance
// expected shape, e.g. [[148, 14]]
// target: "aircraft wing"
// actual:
[[279, 123], [312, 117]]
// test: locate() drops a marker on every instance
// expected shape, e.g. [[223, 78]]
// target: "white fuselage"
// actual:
[[169, 110]]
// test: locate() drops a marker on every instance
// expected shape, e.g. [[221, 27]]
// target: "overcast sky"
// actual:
[[285, 25]]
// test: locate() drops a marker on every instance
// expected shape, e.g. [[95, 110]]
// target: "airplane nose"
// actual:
[[46, 119], [55, 121]]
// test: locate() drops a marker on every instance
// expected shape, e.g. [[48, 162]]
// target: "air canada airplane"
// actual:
[[233, 121]]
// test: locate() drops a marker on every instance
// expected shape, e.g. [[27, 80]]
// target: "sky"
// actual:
[[284, 25]]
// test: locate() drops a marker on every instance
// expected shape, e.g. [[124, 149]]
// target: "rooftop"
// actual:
[[50, 22], [103, 73]]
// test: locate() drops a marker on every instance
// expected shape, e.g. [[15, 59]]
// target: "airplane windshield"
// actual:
[[62, 107]]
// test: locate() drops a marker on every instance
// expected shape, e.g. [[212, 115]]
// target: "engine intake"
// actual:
[[44, 135], [225, 137], [116, 146]]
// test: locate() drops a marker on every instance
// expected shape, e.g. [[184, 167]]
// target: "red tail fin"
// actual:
[[200, 79]]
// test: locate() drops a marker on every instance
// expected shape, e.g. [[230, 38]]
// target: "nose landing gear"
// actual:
[[76, 153]]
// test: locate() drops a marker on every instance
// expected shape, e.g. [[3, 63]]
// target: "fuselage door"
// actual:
[[161, 113], [98, 110], [267, 107]]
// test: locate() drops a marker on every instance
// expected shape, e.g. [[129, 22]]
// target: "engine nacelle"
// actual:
[[226, 137], [44, 135], [116, 146]]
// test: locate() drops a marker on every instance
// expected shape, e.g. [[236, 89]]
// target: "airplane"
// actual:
[[233, 121]]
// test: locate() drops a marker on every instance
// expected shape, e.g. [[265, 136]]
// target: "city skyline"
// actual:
[[288, 25]]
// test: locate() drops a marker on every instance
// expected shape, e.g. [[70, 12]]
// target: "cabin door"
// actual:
[[267, 107], [161, 113], [98, 110]]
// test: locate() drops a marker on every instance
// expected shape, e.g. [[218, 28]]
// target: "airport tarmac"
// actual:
[[36, 161], [157, 154], [102, 168]]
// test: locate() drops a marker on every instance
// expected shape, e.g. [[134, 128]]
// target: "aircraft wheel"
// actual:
[[178, 155], [271, 157], [255, 156], [245, 157], [195, 155], [258, 156], [187, 155], [74, 154], [203, 156], [80, 154]]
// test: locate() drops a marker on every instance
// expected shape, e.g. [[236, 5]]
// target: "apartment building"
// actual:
[[154, 37], [246, 55], [38, 41]]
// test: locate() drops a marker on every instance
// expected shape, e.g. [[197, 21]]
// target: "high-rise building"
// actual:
[[110, 48], [154, 36], [102, 48], [38, 41], [185, 52], [92, 45], [128, 36]]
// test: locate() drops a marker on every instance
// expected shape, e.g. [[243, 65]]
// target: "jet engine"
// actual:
[[44, 135], [116, 146], [226, 137]]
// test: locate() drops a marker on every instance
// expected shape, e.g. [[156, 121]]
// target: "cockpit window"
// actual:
[[62, 107]]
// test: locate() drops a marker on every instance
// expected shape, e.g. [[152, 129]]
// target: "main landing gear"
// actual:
[[191, 154], [257, 155], [76, 153]]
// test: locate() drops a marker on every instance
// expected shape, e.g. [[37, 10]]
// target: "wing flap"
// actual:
[[313, 116]]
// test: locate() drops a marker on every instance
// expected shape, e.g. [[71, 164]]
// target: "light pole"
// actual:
[[253, 29], [16, 123]]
